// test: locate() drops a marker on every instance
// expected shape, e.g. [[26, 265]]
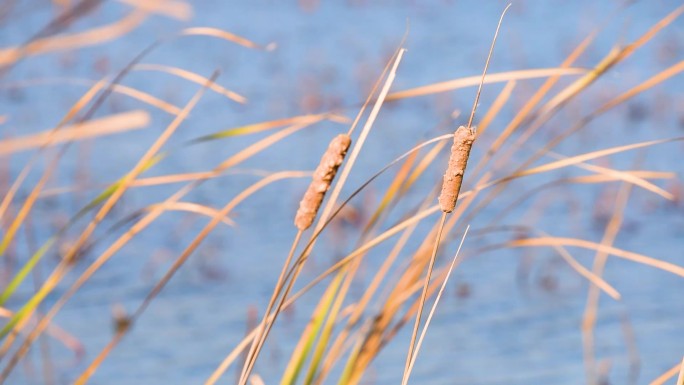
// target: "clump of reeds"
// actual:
[[357, 332]]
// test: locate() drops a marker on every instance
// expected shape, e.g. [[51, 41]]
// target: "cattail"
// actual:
[[321, 180], [460, 151]]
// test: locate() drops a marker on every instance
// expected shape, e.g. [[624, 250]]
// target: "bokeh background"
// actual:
[[509, 317]]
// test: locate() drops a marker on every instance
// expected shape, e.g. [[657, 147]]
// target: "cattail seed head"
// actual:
[[321, 180], [460, 151]]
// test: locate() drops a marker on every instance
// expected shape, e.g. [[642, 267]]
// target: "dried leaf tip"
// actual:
[[458, 160], [321, 181]]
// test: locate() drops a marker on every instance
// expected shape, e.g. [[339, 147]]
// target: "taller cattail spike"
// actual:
[[463, 142]]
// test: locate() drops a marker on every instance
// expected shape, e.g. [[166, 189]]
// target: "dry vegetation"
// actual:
[[347, 331]]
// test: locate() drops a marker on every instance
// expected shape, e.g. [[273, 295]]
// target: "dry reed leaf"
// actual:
[[256, 379], [361, 251], [271, 124], [636, 177], [395, 189], [24, 211], [472, 81], [600, 259], [76, 40], [225, 35], [109, 125], [588, 156], [56, 332], [607, 173], [598, 178], [175, 178], [670, 373], [154, 181], [533, 101], [142, 182], [496, 107], [649, 83], [582, 83], [193, 208], [176, 9], [259, 146], [590, 276], [90, 370], [634, 257], [147, 98], [116, 88], [425, 162], [564, 254], [629, 177], [664, 22], [192, 77]]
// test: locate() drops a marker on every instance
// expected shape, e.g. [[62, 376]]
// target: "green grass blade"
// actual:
[[299, 357]]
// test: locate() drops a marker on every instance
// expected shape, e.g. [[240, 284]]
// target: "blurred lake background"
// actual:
[[510, 316]]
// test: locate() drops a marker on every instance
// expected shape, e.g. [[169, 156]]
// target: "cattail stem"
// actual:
[[262, 328], [423, 296]]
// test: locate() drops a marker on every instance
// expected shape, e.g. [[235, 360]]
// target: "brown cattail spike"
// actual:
[[460, 151], [463, 142], [321, 180]]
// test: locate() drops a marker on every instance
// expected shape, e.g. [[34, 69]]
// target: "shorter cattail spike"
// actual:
[[321, 180]]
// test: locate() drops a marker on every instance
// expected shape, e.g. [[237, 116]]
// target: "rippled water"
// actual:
[[510, 316]]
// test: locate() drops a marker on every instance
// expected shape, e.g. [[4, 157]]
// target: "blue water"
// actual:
[[514, 326]]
